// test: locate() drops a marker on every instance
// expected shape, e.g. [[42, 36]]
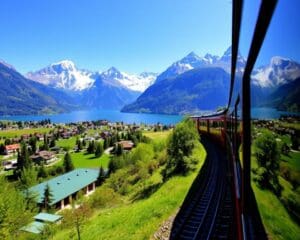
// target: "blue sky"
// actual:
[[132, 35]]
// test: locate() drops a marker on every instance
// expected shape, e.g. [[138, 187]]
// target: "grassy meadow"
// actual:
[[278, 222], [138, 219]]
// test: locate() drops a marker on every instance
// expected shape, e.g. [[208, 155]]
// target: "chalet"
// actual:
[[65, 188], [46, 157], [39, 136], [10, 164], [65, 135], [105, 134], [126, 145], [12, 148]]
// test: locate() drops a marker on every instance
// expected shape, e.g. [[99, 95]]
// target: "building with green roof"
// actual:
[[64, 188], [40, 221]]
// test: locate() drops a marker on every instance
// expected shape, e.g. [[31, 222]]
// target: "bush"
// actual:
[[180, 146], [292, 204], [268, 156], [104, 197]]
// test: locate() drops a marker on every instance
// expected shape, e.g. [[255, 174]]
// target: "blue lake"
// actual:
[[110, 115], [117, 116]]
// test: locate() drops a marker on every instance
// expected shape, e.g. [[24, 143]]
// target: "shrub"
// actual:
[[104, 197], [180, 147], [268, 156]]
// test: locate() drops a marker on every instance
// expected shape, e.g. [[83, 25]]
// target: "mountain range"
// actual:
[[189, 85], [19, 95], [168, 86], [65, 75]]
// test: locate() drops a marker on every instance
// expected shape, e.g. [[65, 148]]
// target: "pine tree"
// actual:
[[106, 143], [23, 160], [68, 164], [45, 146], [119, 149], [91, 147], [52, 142], [32, 143], [47, 198], [99, 150], [101, 176]]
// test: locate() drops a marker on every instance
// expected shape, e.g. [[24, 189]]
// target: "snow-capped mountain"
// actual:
[[280, 71], [64, 75], [192, 60], [134, 82], [7, 64], [225, 61]]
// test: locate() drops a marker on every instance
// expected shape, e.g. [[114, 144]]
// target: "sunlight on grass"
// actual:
[[140, 219]]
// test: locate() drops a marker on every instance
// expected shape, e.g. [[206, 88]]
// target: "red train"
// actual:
[[231, 128]]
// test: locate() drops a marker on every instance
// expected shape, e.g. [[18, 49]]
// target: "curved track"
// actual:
[[207, 212]]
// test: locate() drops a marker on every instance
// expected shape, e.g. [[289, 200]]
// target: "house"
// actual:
[[46, 157], [126, 145], [65, 188], [12, 148], [10, 164], [40, 221], [105, 134]]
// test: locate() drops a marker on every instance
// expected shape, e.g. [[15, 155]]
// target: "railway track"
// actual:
[[207, 212]]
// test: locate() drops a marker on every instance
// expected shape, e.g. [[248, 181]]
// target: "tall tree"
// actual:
[[101, 176], [99, 150], [52, 142], [13, 212], [91, 147], [46, 144], [180, 146], [268, 156], [23, 160], [32, 142], [47, 198], [68, 164]]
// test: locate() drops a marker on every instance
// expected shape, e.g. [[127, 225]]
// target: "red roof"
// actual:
[[12, 147]]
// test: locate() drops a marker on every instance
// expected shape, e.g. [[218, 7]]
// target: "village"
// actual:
[[68, 160]]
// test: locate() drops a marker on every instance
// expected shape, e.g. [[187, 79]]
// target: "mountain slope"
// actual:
[[19, 95], [63, 75], [133, 82], [107, 93], [192, 61], [278, 72], [286, 97], [196, 90]]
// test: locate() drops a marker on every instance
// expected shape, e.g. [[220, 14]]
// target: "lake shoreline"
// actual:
[[138, 118]]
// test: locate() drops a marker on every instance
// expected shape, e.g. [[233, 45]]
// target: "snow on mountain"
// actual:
[[64, 75], [225, 61], [280, 71], [134, 82], [7, 64], [192, 60]]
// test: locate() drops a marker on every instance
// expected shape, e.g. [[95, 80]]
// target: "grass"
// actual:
[[140, 219], [84, 160], [276, 219], [292, 160], [19, 132], [67, 143], [157, 135], [290, 125]]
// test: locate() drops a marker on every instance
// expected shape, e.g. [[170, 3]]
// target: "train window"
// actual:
[[275, 79]]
